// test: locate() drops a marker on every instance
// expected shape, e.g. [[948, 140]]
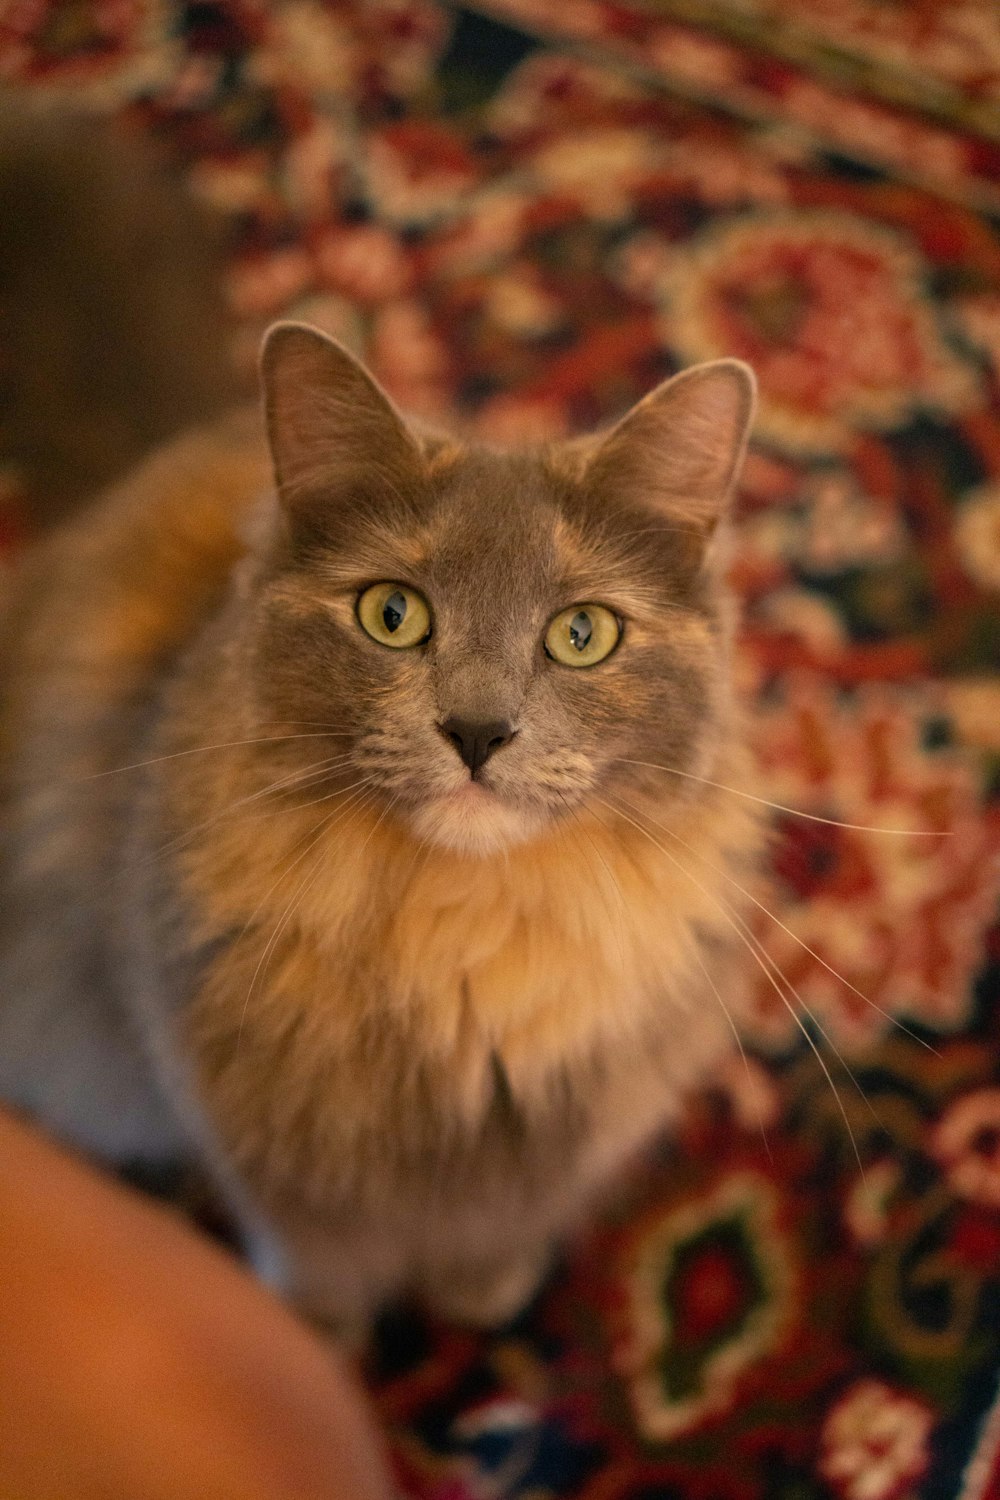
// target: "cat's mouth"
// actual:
[[471, 794], [475, 819]]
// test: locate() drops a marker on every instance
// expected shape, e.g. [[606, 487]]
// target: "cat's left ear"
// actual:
[[334, 433], [680, 449]]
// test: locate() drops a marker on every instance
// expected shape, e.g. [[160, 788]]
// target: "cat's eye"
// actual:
[[394, 615], [582, 635]]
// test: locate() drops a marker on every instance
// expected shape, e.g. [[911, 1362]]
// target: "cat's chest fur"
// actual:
[[375, 982]]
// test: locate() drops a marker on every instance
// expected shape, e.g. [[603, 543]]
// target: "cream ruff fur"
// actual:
[[536, 957], [377, 990]]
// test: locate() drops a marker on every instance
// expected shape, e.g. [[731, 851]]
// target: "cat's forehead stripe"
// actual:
[[517, 523]]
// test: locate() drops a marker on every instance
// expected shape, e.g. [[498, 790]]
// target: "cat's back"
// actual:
[[92, 623], [102, 601]]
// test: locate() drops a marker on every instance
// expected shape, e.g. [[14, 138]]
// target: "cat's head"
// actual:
[[498, 638]]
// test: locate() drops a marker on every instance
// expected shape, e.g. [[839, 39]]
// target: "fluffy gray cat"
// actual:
[[409, 913]]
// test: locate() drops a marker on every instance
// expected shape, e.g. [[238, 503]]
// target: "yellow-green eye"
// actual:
[[394, 615], [582, 635]]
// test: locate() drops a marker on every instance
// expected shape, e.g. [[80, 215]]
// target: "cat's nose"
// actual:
[[476, 741]]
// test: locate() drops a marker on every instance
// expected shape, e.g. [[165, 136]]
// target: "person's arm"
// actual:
[[139, 1362]]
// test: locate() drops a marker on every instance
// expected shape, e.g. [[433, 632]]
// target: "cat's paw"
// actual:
[[350, 1331], [486, 1296]]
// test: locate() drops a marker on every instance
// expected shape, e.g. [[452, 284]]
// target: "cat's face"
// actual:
[[497, 637]]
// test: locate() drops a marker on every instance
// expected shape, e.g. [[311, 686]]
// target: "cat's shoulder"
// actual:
[[129, 576]]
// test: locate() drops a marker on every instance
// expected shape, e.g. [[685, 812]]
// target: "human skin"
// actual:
[[138, 1359]]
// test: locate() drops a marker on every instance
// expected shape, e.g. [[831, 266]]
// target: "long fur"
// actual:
[[412, 1022]]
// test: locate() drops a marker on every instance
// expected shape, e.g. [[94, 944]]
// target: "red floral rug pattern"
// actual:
[[909, 84], [800, 1296]]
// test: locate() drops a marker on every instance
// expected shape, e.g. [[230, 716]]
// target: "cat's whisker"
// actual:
[[733, 1029], [292, 781], [424, 850], [312, 836], [317, 769], [378, 821], [133, 867], [276, 934], [316, 838], [722, 909], [267, 739], [309, 723], [796, 812], [581, 827], [739, 1042], [768, 959], [282, 809], [301, 891], [738, 1039], [718, 870], [663, 530]]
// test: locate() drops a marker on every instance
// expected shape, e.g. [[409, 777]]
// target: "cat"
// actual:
[[341, 844]]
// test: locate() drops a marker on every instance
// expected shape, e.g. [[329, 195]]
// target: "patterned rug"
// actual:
[[529, 214]]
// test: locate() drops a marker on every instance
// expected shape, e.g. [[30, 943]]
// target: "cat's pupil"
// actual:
[[394, 611], [581, 628]]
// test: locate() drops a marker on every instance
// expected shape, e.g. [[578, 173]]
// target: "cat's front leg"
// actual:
[[336, 1278], [486, 1293]]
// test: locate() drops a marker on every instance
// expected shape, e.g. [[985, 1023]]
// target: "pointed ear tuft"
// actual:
[[681, 448], [330, 425]]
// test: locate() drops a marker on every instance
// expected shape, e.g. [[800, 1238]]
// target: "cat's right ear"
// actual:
[[333, 431]]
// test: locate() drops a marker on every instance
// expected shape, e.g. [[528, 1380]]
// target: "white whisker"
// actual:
[[314, 801], [267, 739], [316, 770], [752, 938], [722, 908], [739, 1042], [796, 812], [315, 838], [773, 965], [582, 828], [794, 936]]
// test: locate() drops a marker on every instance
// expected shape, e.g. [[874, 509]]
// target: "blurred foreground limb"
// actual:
[[139, 1362]]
